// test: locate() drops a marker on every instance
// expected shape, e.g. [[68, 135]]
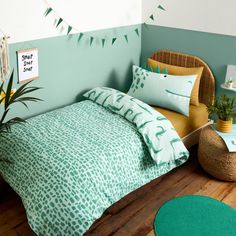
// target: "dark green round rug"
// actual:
[[195, 216]]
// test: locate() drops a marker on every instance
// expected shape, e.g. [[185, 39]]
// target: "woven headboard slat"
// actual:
[[207, 84]]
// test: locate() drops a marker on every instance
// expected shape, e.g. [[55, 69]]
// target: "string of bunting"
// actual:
[[82, 35]]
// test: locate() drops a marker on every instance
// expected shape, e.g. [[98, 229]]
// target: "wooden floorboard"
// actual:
[[134, 214]]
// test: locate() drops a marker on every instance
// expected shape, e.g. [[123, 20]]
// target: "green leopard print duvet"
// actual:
[[71, 164]]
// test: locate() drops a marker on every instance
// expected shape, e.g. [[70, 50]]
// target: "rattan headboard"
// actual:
[[207, 84]]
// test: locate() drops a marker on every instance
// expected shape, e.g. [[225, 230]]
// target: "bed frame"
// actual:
[[207, 83]]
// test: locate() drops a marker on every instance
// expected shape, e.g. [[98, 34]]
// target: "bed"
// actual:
[[71, 164]]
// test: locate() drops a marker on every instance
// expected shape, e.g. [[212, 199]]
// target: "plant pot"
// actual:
[[224, 126]]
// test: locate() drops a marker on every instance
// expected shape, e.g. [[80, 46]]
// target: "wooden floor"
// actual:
[[134, 214]]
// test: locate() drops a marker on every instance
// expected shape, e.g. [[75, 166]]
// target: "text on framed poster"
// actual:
[[27, 65]]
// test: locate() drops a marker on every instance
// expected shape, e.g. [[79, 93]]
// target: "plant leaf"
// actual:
[[8, 92], [28, 99], [19, 90], [16, 120], [1, 88], [30, 89], [24, 104], [22, 91]]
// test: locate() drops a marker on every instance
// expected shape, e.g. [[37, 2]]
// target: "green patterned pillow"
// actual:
[[162, 90]]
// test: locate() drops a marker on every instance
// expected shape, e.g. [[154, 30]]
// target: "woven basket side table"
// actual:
[[214, 156]]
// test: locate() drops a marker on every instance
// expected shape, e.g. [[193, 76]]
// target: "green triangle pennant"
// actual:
[[103, 42], [137, 31], [151, 17], [69, 29], [80, 37], [113, 40], [91, 40], [59, 22], [47, 11], [161, 7], [126, 38], [145, 25]]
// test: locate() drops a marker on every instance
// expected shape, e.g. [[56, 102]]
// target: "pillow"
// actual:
[[178, 70], [168, 91]]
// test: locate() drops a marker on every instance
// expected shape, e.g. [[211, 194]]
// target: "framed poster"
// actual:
[[230, 73], [28, 68]]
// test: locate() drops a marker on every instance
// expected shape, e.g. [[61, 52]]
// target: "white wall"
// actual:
[[215, 16], [23, 20]]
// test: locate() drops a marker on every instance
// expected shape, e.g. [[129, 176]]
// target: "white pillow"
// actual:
[[168, 91]]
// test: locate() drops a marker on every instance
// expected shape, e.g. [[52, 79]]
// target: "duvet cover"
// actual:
[[69, 165]]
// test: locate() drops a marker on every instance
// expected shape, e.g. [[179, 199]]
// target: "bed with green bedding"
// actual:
[[69, 165]]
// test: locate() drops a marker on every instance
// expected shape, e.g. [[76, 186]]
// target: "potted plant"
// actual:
[[224, 108], [10, 96]]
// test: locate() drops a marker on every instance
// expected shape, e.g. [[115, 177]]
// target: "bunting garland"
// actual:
[[103, 40], [126, 38], [91, 40], [80, 36], [59, 22], [145, 25], [136, 31], [47, 11], [69, 29], [161, 7], [113, 41], [151, 17]]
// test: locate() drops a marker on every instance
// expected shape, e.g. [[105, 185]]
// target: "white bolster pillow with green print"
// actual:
[[168, 91]]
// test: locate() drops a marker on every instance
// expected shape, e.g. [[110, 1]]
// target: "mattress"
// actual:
[[198, 116]]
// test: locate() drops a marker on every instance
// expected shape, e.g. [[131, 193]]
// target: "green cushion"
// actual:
[[195, 216], [168, 91]]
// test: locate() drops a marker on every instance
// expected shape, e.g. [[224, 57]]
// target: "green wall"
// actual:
[[216, 50], [68, 68]]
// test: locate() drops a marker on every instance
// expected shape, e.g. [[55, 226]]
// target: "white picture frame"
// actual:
[[230, 73], [27, 61]]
